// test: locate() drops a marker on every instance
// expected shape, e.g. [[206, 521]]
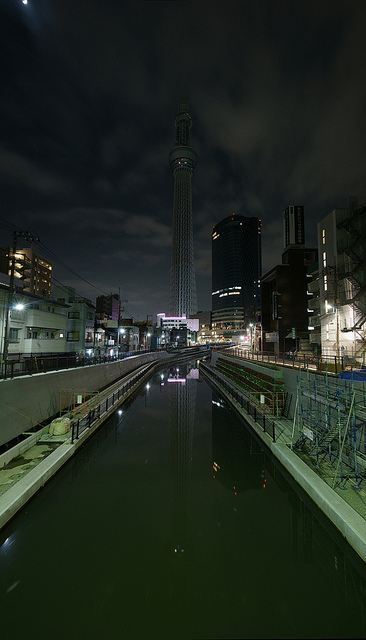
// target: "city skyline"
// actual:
[[86, 130]]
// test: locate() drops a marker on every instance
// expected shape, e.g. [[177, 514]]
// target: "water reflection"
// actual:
[[240, 463], [183, 382], [235, 453], [175, 522]]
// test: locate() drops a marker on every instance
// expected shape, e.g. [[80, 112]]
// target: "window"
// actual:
[[325, 283], [324, 259], [323, 236], [13, 335], [73, 336], [32, 334], [74, 315]]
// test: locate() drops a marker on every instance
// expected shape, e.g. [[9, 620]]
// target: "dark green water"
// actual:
[[174, 522]]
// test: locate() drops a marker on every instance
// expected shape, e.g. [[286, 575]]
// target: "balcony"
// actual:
[[313, 286], [46, 319], [314, 321], [44, 345], [314, 304]]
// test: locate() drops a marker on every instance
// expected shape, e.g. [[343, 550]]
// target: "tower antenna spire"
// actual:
[[183, 160]]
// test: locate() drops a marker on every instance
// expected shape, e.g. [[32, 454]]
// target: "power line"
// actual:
[[27, 262], [53, 253]]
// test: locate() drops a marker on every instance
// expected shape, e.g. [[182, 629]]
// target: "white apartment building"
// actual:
[[37, 325], [167, 323]]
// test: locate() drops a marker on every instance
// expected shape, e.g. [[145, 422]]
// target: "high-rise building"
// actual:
[[285, 301], [236, 272], [182, 162], [32, 270], [293, 225]]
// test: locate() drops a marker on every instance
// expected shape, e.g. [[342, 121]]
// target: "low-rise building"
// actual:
[[80, 320], [166, 324], [37, 325], [129, 338]]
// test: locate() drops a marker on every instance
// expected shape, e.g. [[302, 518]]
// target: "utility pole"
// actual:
[[29, 237], [119, 318]]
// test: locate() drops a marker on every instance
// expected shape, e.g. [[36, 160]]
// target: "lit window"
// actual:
[[325, 283], [324, 258], [323, 236]]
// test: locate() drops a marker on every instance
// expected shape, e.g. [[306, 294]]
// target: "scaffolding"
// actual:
[[329, 425]]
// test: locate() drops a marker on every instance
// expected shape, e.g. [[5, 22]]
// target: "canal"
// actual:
[[173, 522]]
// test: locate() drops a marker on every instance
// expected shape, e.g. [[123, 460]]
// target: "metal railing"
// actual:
[[330, 364], [260, 416], [103, 405], [42, 363]]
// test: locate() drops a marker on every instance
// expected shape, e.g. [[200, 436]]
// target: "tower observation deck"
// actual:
[[182, 160]]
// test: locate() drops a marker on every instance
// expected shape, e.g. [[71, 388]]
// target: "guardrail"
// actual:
[[103, 405], [262, 418], [42, 364], [330, 364]]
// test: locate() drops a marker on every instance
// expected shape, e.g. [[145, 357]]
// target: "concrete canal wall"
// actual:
[[351, 524], [289, 375], [29, 400]]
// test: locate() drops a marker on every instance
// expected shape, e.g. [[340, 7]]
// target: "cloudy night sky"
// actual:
[[89, 92]]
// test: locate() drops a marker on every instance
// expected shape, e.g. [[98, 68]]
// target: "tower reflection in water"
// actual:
[[183, 382]]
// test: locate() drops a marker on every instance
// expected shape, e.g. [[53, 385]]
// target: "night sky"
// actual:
[[89, 91]]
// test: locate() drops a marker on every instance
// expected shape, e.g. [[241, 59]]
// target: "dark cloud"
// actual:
[[89, 92]]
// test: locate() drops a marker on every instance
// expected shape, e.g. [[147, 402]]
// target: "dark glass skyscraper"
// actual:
[[236, 272], [182, 162]]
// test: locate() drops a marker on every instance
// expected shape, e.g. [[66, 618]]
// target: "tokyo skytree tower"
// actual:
[[182, 162]]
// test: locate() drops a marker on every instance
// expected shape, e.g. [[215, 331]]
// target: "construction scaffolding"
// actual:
[[329, 425]]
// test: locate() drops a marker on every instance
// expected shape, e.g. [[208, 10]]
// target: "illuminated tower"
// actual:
[[182, 162]]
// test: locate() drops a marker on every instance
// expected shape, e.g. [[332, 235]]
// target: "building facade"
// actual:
[[183, 159], [80, 320], [37, 325], [236, 272], [286, 297], [176, 329], [340, 292], [33, 271], [293, 228], [285, 302]]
